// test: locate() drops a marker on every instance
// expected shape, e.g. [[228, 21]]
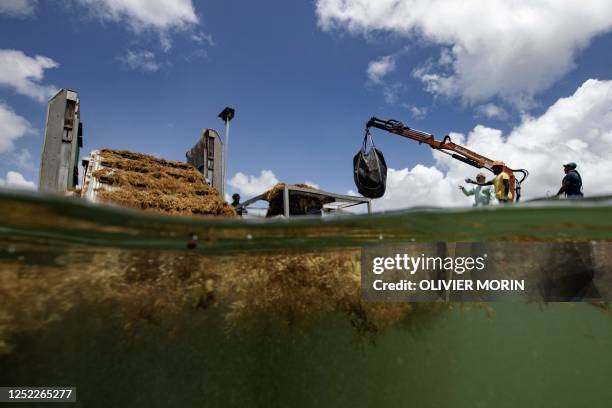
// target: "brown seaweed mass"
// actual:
[[299, 203], [148, 183], [285, 291]]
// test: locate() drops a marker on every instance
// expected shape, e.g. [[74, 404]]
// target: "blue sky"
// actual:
[[298, 75]]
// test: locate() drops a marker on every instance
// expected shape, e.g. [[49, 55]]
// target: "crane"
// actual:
[[447, 146]]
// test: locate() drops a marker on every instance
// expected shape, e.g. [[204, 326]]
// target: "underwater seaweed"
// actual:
[[283, 290]]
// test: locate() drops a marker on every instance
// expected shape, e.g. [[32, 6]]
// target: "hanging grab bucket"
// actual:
[[370, 169]]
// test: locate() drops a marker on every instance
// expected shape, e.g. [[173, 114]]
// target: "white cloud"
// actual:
[[198, 53], [417, 112], [202, 38], [23, 74], [159, 15], [577, 128], [379, 68], [420, 186], [513, 49], [16, 180], [165, 42], [391, 93], [23, 159], [141, 59], [492, 111], [139, 15], [250, 186], [12, 127], [17, 8]]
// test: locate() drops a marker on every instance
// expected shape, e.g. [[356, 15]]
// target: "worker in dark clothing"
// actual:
[[571, 185], [236, 204]]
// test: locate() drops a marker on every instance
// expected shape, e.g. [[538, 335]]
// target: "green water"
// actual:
[[50, 220], [522, 356], [87, 295]]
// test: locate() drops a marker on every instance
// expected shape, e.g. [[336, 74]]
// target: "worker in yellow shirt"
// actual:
[[501, 182]]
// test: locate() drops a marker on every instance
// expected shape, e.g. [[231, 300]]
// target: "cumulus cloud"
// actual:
[[491, 111], [379, 68], [513, 49], [577, 128], [12, 127], [249, 185], [159, 15], [419, 186], [141, 60], [16, 180], [17, 8], [23, 74], [377, 71]]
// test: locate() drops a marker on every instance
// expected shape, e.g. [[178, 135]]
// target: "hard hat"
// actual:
[[570, 165], [498, 163]]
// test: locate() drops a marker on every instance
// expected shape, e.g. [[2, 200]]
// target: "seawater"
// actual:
[[143, 310]]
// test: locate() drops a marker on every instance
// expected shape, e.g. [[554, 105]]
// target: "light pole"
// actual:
[[226, 115]]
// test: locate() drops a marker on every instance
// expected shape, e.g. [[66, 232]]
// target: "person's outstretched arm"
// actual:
[[467, 192], [487, 183]]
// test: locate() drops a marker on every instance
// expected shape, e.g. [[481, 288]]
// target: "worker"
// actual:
[[571, 185], [236, 204], [482, 195], [501, 182]]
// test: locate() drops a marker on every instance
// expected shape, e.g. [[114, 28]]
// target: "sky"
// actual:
[[527, 82]]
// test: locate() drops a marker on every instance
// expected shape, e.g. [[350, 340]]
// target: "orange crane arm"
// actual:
[[447, 146]]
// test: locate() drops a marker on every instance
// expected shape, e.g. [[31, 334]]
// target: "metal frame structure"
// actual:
[[226, 116], [61, 147], [349, 201], [207, 156]]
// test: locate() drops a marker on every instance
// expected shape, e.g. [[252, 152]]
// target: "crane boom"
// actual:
[[445, 145]]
